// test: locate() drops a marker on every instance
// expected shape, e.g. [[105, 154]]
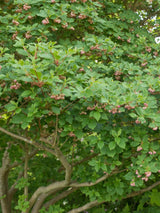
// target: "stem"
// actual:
[[4, 171], [25, 171], [86, 206], [59, 197]]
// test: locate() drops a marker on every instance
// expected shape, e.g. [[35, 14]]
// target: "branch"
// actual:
[[95, 203], [86, 206], [4, 171], [59, 197], [39, 202], [46, 189], [41, 197], [12, 189], [81, 161], [58, 154], [65, 163], [40, 146], [15, 164], [133, 194], [26, 173], [85, 159], [104, 177]]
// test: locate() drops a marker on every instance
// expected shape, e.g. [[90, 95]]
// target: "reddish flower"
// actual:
[[129, 40], [151, 90], [155, 53], [81, 16], [132, 183], [30, 17], [82, 52], [71, 28], [54, 29], [155, 128], [26, 7], [137, 121], [18, 11], [144, 64], [57, 20], [148, 173], [27, 35], [15, 22], [150, 153], [14, 35], [148, 49], [139, 148], [71, 134], [45, 21], [72, 15], [81, 70], [65, 25]]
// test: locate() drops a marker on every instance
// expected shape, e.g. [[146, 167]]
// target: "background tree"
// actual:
[[79, 113]]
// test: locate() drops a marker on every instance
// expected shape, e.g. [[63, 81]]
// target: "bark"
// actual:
[[12, 189], [59, 197], [81, 161], [104, 177], [86, 206], [46, 189], [39, 202], [133, 194], [26, 172], [95, 203], [4, 171], [29, 141], [15, 164], [58, 154]]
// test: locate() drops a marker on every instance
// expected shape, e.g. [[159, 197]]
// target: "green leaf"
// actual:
[[18, 118], [11, 106], [122, 144], [139, 111], [133, 115], [26, 93], [97, 115], [111, 153], [155, 198], [18, 110], [100, 144], [24, 125], [126, 209], [56, 110], [112, 145], [117, 140], [119, 132], [46, 56], [2, 76], [114, 133], [42, 13], [92, 124]]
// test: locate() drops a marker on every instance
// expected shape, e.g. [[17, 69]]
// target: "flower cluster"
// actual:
[[57, 97], [16, 85]]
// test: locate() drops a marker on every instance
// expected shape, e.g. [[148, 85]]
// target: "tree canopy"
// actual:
[[79, 106]]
